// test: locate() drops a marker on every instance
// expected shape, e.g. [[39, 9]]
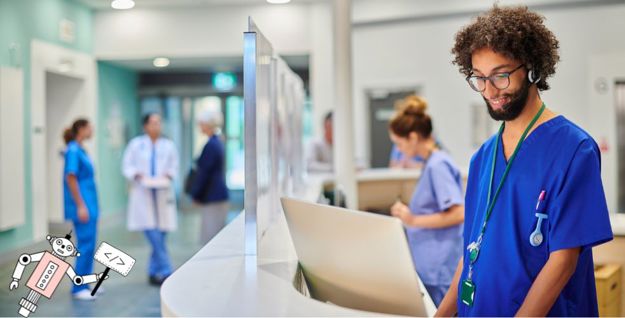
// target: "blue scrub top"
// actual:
[[77, 162], [563, 160], [435, 252], [397, 155]]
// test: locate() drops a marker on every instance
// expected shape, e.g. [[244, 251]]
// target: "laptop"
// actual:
[[355, 259]]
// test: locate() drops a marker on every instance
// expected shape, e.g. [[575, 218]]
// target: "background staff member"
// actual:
[[523, 258], [436, 211], [320, 152], [81, 200], [150, 209], [397, 159], [209, 188]]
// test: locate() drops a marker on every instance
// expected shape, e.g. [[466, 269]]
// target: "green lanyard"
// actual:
[[474, 247]]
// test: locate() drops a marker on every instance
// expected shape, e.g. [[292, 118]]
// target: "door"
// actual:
[[619, 90], [63, 102], [381, 109]]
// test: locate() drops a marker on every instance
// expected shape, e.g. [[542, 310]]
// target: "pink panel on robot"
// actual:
[[47, 275]]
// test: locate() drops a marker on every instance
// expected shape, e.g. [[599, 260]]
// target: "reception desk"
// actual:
[[220, 280], [378, 189]]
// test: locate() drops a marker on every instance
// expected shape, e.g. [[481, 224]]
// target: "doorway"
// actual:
[[381, 109], [179, 123], [619, 90], [63, 100], [63, 87]]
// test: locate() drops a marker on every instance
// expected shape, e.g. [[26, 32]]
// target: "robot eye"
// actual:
[[59, 242], [69, 248]]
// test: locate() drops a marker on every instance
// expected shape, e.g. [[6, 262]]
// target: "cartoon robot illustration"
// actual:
[[49, 272]]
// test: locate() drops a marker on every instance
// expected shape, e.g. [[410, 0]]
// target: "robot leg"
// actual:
[[28, 305]]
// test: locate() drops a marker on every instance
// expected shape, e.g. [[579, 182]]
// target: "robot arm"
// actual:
[[23, 261], [86, 279]]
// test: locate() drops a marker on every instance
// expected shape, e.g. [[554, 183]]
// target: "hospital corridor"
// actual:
[[132, 297], [312, 158]]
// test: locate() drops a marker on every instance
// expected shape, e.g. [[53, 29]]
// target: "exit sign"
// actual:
[[224, 81]]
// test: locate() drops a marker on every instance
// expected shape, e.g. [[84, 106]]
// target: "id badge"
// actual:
[[467, 292]]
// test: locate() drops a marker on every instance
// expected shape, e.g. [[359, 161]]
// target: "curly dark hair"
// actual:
[[516, 33]]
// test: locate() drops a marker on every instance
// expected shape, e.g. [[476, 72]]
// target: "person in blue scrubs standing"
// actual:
[[80, 199], [434, 216], [535, 204]]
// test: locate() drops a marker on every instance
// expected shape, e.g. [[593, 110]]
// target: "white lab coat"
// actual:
[[142, 214]]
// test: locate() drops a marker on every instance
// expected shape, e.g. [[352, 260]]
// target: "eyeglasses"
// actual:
[[499, 80]]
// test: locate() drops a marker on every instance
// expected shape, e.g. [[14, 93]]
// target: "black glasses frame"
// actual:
[[491, 79]]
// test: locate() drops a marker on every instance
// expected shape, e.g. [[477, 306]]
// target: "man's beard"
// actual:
[[512, 109]]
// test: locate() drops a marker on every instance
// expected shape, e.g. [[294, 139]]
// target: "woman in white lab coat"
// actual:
[[150, 164]]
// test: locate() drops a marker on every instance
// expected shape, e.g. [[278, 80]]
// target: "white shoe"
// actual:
[[84, 294]]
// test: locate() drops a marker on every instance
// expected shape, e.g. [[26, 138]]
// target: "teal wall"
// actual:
[[118, 102], [22, 21]]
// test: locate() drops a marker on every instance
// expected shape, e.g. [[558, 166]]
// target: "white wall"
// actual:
[[419, 51], [294, 29], [198, 31], [415, 54], [321, 64]]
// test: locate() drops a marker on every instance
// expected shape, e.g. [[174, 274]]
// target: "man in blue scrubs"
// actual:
[[534, 205]]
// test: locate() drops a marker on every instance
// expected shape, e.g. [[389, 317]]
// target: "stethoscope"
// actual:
[[537, 238]]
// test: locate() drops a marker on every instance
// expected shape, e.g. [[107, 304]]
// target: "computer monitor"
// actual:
[[355, 259]]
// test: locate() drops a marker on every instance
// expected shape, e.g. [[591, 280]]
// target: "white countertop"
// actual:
[[618, 223], [221, 281], [388, 174]]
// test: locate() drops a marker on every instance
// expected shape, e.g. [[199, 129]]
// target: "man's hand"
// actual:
[[14, 284], [99, 276]]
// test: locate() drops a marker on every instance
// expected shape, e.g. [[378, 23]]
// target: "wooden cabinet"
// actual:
[[608, 282]]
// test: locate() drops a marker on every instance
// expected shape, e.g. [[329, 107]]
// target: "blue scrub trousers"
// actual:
[[86, 237], [159, 260], [437, 293]]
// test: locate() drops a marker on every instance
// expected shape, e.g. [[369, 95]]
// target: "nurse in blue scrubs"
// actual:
[[398, 160], [81, 200], [435, 213], [535, 204]]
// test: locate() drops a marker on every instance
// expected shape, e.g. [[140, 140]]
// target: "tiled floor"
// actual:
[[125, 296]]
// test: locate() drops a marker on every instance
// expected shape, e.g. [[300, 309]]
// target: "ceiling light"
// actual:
[[122, 4], [161, 62], [278, 1]]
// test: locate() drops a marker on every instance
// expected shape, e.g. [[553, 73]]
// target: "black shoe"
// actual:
[[156, 280]]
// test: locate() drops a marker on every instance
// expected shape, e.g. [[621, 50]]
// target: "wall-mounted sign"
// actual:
[[224, 81], [67, 31]]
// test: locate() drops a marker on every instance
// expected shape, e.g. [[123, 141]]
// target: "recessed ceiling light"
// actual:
[[122, 4], [278, 1], [161, 62]]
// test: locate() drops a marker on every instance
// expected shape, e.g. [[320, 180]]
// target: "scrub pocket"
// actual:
[[536, 256]]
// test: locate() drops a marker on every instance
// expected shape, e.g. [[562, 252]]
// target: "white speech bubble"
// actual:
[[114, 259]]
